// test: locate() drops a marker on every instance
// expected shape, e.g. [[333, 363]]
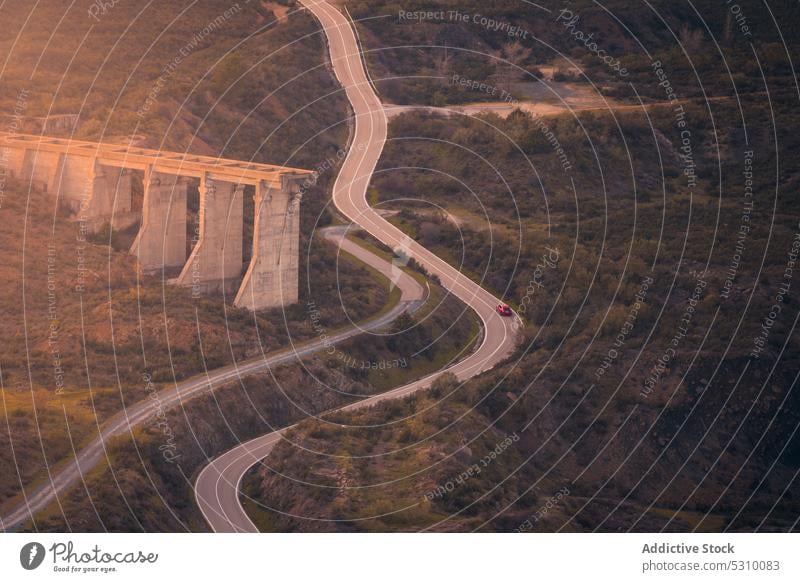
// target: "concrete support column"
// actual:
[[271, 279], [216, 260], [161, 241], [96, 194], [80, 186], [121, 185], [108, 200], [41, 168], [13, 161]]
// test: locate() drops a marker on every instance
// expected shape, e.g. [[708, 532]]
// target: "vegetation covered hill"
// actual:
[[416, 48], [71, 359], [224, 79], [655, 388], [146, 482], [647, 394]]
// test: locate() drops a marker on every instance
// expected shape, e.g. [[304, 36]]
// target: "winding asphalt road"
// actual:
[[412, 295], [217, 486]]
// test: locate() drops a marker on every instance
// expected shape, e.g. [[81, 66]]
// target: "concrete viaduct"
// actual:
[[93, 181]]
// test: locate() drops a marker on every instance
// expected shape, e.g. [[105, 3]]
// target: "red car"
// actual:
[[504, 310]]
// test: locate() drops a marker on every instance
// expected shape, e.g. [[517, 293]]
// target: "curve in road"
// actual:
[[217, 485], [412, 295]]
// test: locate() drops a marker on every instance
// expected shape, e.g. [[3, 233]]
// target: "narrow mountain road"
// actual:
[[412, 295], [217, 486]]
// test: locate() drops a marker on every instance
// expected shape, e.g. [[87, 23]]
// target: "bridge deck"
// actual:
[[183, 164]]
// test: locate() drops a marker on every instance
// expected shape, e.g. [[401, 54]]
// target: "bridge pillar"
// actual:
[[271, 279], [95, 193], [161, 241], [79, 185], [107, 195], [41, 168], [13, 161], [121, 187], [216, 260]]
